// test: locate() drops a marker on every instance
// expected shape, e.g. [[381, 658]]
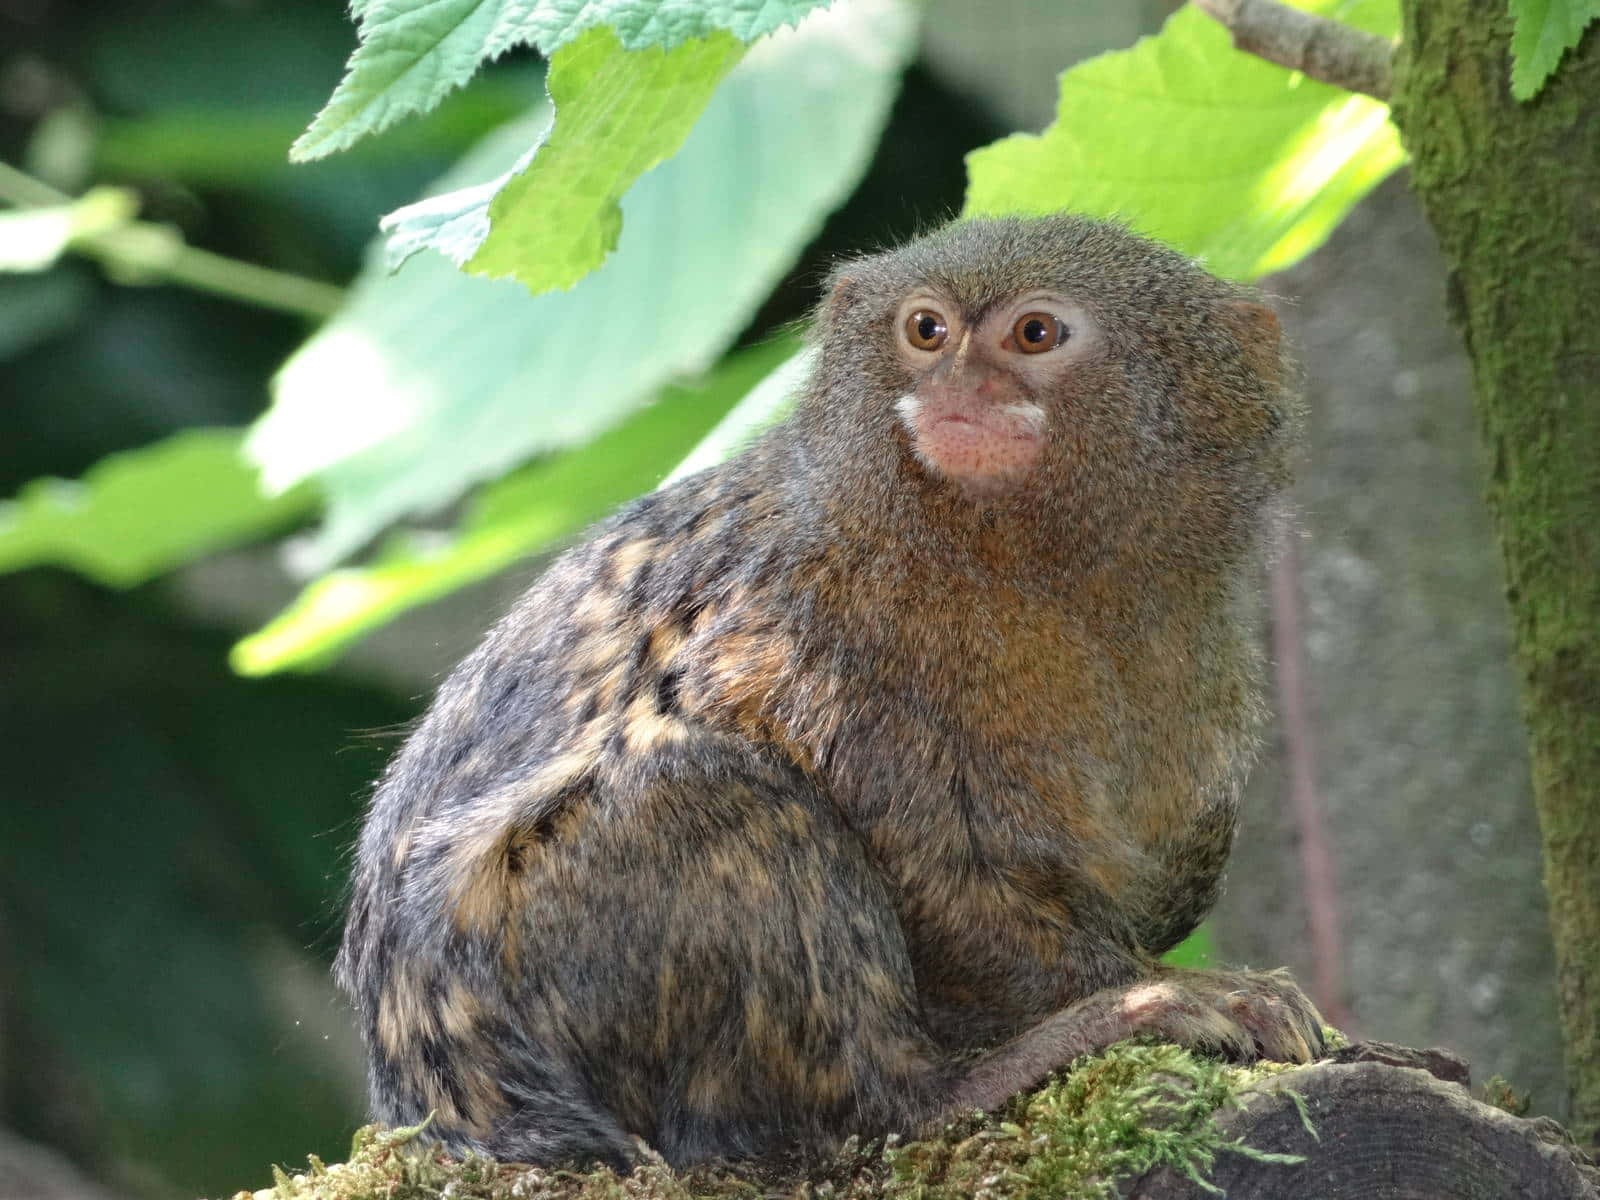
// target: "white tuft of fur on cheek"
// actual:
[[1027, 412], [909, 408]]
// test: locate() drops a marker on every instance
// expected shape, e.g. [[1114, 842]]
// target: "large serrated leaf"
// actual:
[[141, 512], [430, 381], [413, 53], [513, 517], [1544, 31], [555, 216], [1229, 158]]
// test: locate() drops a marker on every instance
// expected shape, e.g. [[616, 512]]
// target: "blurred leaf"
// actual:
[[554, 217], [212, 95], [141, 512], [1197, 950], [511, 518], [1545, 30], [764, 404], [1226, 157], [415, 52], [32, 239], [430, 381]]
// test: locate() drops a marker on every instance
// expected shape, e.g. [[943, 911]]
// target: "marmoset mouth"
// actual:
[[1021, 435], [987, 448]]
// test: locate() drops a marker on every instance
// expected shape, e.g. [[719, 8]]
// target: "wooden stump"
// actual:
[[1391, 1124]]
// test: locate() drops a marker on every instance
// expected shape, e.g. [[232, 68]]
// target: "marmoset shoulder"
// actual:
[[860, 780]]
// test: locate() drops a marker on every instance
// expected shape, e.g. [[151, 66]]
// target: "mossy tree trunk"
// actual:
[[1513, 192]]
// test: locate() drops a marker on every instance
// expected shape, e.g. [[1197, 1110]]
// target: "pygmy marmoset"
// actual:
[[860, 780]]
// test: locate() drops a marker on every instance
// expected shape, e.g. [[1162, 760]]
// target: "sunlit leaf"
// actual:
[[1229, 158], [555, 216], [415, 52], [32, 239], [509, 520], [1544, 31], [430, 381], [141, 512]]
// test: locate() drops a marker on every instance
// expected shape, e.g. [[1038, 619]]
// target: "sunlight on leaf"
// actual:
[[556, 220], [1231, 159], [554, 217], [512, 518], [430, 381], [32, 239], [136, 514]]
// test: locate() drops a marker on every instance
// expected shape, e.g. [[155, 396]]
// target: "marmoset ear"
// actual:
[[843, 290]]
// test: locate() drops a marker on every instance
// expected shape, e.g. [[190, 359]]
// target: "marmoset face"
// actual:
[[979, 412]]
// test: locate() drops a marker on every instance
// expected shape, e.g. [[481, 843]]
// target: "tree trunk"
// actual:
[[1380, 1122], [1513, 192]]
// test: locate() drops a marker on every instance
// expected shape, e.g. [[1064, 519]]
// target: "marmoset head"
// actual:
[[1017, 360]]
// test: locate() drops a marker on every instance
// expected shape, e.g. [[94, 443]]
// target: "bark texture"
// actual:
[[1324, 49], [1383, 1123], [1513, 192]]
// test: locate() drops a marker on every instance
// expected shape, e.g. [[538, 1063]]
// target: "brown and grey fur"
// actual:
[[806, 780]]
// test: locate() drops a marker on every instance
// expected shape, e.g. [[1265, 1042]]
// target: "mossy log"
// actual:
[[1144, 1122]]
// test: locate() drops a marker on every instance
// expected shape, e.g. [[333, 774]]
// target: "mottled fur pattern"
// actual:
[[804, 780]]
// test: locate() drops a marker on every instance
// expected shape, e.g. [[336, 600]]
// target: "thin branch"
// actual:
[[1327, 50], [1318, 881], [26, 191], [141, 252]]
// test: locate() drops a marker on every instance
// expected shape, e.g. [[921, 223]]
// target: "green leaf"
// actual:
[[430, 381], [1544, 31], [1197, 950], [765, 403], [141, 512], [415, 52], [1226, 157], [555, 217], [511, 518]]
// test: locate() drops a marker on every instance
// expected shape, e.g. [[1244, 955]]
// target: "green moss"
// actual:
[[1135, 1108], [1112, 1117], [1510, 190], [1499, 1092]]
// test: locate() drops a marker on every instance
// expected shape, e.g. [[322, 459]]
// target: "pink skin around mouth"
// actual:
[[984, 447]]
